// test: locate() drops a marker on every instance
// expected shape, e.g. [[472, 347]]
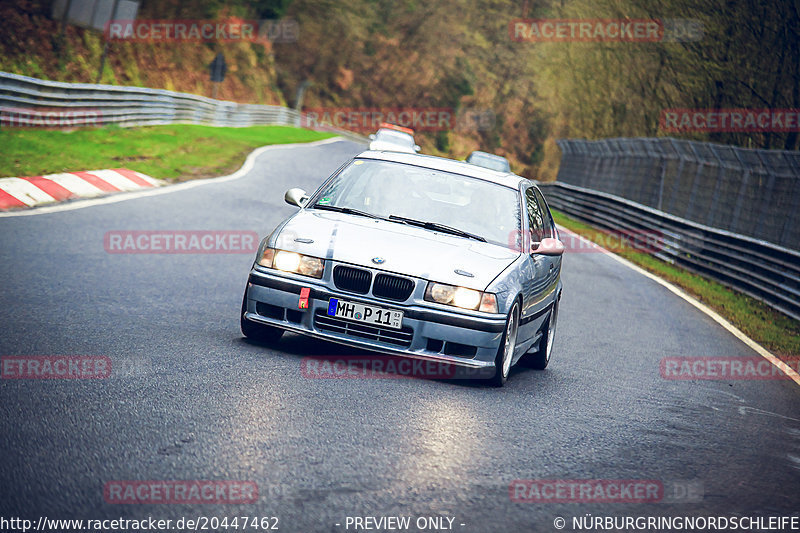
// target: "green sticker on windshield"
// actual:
[[325, 200]]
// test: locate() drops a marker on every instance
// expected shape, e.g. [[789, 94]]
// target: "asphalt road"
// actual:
[[189, 398]]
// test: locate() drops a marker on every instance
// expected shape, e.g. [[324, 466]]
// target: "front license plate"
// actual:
[[367, 314]]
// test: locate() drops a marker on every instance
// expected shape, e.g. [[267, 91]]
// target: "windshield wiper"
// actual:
[[347, 211], [438, 227]]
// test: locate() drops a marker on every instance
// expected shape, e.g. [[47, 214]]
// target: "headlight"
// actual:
[[466, 298], [288, 261], [292, 262], [461, 297]]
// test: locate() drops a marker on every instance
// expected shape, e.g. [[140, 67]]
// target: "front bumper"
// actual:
[[428, 333]]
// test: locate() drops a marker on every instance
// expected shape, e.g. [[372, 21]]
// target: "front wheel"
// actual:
[[257, 332], [541, 357], [505, 352]]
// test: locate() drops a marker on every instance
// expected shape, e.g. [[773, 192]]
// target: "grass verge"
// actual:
[[773, 330], [176, 153]]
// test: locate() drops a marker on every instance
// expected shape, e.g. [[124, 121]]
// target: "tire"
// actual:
[[257, 332], [541, 357], [505, 352]]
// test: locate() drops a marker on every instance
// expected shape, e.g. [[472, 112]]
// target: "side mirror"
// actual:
[[371, 136], [548, 246], [417, 148], [296, 197]]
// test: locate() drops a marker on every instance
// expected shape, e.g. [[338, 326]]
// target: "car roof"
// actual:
[[446, 165], [395, 133], [491, 156]]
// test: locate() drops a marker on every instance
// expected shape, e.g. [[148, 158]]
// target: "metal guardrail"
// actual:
[[24, 100], [765, 271]]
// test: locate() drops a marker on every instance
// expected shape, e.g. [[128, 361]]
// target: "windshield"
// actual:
[[395, 137], [487, 161], [387, 189]]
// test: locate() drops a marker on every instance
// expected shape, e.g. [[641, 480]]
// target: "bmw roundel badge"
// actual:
[[378, 260]]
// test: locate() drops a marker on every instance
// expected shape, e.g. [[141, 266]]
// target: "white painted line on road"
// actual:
[[243, 171], [760, 350]]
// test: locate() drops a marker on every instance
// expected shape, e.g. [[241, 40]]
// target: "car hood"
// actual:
[[404, 249]]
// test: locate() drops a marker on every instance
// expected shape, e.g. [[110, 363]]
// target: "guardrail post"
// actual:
[[790, 222], [764, 203], [740, 198], [711, 213], [105, 44], [695, 182], [677, 183]]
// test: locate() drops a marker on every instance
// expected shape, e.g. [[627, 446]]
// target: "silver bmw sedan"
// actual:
[[417, 256]]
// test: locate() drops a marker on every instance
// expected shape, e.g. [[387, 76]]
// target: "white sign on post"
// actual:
[[94, 14]]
